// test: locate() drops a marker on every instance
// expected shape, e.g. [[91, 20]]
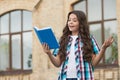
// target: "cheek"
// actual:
[[77, 23], [77, 26]]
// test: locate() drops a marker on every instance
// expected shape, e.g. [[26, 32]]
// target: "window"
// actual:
[[16, 41], [101, 15]]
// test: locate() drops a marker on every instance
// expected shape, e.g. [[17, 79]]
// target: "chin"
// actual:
[[70, 30]]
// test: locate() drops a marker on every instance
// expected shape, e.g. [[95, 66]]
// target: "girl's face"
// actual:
[[73, 24]]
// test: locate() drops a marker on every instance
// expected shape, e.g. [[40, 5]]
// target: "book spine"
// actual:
[[38, 35]]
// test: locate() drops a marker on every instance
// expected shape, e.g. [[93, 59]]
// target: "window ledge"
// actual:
[[17, 72], [107, 66]]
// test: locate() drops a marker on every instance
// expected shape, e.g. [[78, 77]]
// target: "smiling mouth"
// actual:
[[71, 26]]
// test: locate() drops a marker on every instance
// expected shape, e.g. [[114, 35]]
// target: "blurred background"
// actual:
[[21, 54]]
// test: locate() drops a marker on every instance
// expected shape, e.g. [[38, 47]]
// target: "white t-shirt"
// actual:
[[71, 70]]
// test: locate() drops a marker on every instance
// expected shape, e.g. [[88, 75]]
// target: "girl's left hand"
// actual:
[[107, 42]]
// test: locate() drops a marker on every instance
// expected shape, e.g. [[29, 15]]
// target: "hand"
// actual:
[[107, 42], [46, 48]]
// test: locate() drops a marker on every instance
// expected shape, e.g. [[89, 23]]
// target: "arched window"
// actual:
[[101, 15], [16, 41]]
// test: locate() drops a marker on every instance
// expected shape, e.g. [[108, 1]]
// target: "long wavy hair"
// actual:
[[84, 35]]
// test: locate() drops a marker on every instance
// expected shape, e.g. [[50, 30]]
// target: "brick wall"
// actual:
[[50, 13]]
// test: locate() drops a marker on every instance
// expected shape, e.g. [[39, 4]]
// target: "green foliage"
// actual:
[[30, 60], [114, 51]]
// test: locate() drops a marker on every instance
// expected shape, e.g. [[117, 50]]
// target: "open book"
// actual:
[[46, 35]]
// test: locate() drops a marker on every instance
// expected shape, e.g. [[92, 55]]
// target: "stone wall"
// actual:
[[51, 13]]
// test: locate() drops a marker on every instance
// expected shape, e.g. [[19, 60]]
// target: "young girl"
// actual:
[[78, 52]]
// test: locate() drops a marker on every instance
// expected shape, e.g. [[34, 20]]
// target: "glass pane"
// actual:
[[80, 6], [16, 21], [27, 50], [4, 24], [111, 55], [16, 52], [4, 53], [109, 9], [94, 10], [27, 20], [95, 30]]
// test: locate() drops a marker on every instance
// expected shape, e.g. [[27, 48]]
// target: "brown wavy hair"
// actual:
[[84, 34]]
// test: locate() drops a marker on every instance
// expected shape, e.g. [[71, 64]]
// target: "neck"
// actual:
[[74, 34]]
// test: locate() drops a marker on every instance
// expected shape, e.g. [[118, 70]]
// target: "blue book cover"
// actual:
[[46, 35]]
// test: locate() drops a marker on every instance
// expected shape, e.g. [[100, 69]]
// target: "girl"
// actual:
[[78, 52]]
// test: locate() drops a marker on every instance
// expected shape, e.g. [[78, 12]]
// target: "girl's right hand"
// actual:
[[46, 48], [54, 59]]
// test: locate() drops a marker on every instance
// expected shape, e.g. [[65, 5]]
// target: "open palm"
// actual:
[[108, 42]]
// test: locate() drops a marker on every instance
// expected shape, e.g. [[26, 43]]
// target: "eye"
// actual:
[[74, 20]]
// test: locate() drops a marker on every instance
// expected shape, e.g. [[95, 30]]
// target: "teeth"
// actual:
[[71, 26]]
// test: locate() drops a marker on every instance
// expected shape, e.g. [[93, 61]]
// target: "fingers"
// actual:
[[109, 41], [45, 46]]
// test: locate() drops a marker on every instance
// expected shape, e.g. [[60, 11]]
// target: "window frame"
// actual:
[[102, 21], [10, 71]]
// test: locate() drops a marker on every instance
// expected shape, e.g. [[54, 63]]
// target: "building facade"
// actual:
[[21, 54]]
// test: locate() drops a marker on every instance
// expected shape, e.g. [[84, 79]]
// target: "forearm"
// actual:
[[99, 56], [55, 60]]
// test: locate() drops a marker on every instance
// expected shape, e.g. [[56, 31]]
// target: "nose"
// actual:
[[70, 22]]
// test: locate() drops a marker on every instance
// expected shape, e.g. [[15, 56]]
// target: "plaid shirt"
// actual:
[[84, 69]]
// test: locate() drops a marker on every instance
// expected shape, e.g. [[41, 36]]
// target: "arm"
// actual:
[[54, 59], [96, 58]]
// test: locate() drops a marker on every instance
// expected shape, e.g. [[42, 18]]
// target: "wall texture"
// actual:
[[51, 13]]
